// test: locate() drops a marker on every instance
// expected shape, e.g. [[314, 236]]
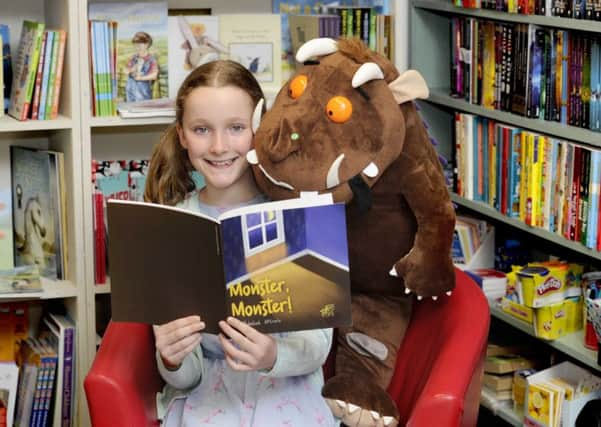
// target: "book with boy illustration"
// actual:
[[278, 266]]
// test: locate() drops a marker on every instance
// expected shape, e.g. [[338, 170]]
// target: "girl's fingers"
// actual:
[[242, 341], [172, 349], [191, 322], [178, 357], [237, 366], [173, 332], [248, 331], [230, 350]]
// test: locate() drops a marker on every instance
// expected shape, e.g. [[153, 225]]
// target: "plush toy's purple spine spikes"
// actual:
[[434, 142]]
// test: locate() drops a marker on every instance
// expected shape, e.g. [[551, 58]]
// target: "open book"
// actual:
[[278, 266]]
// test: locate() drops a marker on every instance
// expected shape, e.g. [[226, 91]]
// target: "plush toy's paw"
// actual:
[[426, 274], [360, 403]]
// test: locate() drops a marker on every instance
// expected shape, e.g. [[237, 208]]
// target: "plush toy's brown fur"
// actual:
[[401, 216]]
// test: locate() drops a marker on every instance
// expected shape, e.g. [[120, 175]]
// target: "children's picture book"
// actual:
[[142, 61], [25, 67], [278, 266], [9, 378], [35, 208], [19, 280], [254, 40], [193, 41]]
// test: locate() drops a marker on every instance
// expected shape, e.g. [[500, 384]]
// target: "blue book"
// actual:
[[7, 67], [593, 211]]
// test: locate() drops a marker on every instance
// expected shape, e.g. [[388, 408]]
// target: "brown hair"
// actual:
[[142, 37], [169, 178]]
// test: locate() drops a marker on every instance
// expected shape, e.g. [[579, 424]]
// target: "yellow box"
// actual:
[[550, 321], [542, 285], [517, 310], [574, 312]]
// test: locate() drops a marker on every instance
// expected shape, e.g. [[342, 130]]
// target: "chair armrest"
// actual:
[[441, 410], [124, 379]]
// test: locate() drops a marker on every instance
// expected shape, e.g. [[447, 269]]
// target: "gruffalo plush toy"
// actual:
[[345, 123]]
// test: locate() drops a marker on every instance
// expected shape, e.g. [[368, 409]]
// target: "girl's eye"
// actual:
[[237, 128], [297, 86], [201, 130], [339, 109]]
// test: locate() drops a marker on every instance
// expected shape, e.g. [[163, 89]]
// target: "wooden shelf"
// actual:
[[486, 210], [52, 289], [505, 411], [547, 21], [10, 124], [571, 344], [116, 121], [440, 96]]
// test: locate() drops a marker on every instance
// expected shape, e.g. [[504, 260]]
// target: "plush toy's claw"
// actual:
[[388, 421], [352, 408], [407, 291], [434, 298], [393, 272], [375, 415], [449, 293], [419, 297], [341, 403]]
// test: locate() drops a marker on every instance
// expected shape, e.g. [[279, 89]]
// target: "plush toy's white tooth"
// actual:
[[419, 297], [375, 415], [393, 272], [435, 298], [333, 179], [387, 420], [352, 408], [449, 293], [257, 115], [341, 403], [251, 157], [371, 170], [407, 291]]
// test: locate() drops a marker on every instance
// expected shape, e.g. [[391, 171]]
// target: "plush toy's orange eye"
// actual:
[[339, 109], [297, 86]]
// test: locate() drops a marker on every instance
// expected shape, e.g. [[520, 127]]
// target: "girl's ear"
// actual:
[[180, 136]]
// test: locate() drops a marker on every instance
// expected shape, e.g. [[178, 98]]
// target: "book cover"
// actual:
[[142, 61], [193, 41], [278, 266], [254, 40], [9, 377], [25, 67], [34, 211], [7, 68], [20, 280], [6, 219]]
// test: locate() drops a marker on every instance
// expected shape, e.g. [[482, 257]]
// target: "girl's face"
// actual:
[[216, 131]]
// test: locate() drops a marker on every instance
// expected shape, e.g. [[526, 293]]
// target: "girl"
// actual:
[[241, 377]]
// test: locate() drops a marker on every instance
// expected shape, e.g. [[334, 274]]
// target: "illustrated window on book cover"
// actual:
[[261, 231]]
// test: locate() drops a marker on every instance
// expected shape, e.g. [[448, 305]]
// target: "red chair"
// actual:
[[436, 382]]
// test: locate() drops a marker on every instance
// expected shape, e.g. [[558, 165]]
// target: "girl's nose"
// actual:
[[219, 143]]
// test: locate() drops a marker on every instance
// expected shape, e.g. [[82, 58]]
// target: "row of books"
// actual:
[[578, 9], [38, 380], [537, 72], [545, 182], [363, 23], [38, 69], [468, 236], [121, 180]]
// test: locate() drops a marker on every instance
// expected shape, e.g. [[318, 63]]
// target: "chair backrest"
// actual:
[[444, 343]]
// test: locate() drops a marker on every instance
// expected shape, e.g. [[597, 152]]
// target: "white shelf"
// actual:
[[116, 121], [10, 124], [52, 289], [102, 288], [504, 410], [571, 344]]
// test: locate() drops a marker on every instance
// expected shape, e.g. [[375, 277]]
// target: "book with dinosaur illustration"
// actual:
[[278, 266]]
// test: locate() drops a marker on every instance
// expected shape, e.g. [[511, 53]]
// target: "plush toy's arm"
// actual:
[[427, 269]]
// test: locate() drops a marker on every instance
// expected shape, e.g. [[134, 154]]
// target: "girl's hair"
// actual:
[[169, 171]]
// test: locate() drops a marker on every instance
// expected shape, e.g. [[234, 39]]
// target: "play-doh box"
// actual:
[[540, 285]]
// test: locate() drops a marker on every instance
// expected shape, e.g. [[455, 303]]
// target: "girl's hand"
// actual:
[[174, 340], [248, 349]]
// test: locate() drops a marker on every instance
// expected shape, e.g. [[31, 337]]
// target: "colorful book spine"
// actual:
[[38, 79], [46, 74], [52, 78], [56, 87]]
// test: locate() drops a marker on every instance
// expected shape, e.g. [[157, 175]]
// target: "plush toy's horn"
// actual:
[[257, 115], [316, 47], [366, 72], [409, 86]]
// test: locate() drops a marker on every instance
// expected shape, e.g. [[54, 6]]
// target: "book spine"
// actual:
[[38, 79], [46, 75], [68, 373], [59, 74], [52, 78]]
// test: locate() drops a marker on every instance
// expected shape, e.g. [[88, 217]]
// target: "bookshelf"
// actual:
[[429, 53], [62, 134]]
